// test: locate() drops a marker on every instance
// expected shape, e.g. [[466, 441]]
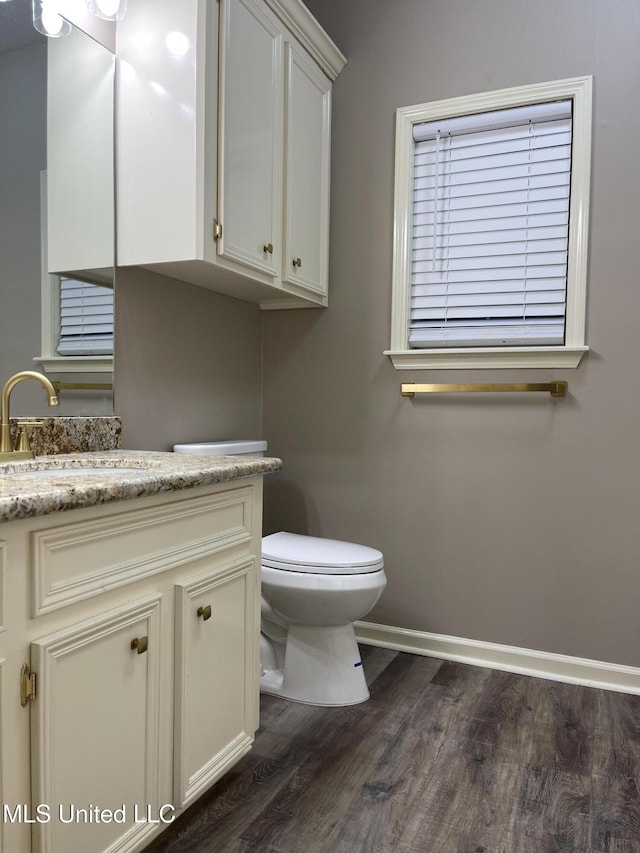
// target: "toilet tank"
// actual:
[[223, 448]]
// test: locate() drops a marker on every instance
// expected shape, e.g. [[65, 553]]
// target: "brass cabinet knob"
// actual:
[[297, 262], [140, 644], [268, 247], [205, 612]]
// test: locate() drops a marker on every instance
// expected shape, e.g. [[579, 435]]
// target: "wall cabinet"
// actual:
[[223, 151], [141, 626]]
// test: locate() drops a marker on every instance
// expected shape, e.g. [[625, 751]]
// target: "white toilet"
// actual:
[[313, 590]]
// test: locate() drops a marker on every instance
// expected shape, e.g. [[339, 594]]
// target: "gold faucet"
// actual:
[[6, 447]]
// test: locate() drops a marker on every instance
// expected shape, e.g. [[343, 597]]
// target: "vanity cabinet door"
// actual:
[[308, 143], [250, 135], [94, 741], [216, 675]]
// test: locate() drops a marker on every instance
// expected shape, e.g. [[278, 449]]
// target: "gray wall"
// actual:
[[511, 520], [187, 364]]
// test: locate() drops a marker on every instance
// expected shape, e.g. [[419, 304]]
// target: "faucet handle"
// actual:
[[25, 428]]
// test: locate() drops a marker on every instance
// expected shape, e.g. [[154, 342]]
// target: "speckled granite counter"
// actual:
[[115, 475], [74, 434]]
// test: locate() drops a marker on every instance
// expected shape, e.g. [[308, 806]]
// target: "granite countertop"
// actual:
[[121, 475]]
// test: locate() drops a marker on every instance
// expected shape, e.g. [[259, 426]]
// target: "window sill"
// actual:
[[486, 357], [76, 364]]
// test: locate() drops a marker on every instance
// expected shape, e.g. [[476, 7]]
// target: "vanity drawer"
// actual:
[[83, 559]]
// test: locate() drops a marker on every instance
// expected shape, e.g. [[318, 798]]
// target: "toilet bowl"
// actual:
[[313, 590]]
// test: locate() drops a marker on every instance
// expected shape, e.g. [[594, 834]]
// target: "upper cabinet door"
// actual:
[[308, 141], [250, 135]]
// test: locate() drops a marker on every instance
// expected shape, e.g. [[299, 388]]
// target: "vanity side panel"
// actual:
[[1, 757], [3, 570], [15, 777], [2, 661]]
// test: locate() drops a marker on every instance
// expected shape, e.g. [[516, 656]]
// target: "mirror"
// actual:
[[57, 92]]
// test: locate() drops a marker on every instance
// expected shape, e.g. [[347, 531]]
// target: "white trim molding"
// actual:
[[71, 364], [555, 667], [310, 34], [487, 357]]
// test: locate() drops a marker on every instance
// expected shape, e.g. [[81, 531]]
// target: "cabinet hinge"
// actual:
[[217, 229], [27, 685]]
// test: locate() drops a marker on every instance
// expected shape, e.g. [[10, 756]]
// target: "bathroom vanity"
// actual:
[[129, 625]]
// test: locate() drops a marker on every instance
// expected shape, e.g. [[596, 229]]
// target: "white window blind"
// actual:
[[490, 228], [86, 318]]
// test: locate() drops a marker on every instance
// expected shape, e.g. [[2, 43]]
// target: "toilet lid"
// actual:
[[295, 553]]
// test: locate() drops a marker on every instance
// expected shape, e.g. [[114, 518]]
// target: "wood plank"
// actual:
[[536, 722], [424, 785], [618, 734], [215, 822], [552, 812], [616, 814], [316, 799], [444, 758]]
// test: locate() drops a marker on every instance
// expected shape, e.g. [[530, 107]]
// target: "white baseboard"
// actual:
[[572, 670]]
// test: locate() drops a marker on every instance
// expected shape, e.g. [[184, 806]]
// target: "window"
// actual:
[[86, 318], [77, 325], [491, 221]]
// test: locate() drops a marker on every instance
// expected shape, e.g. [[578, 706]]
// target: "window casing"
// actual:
[[435, 285]]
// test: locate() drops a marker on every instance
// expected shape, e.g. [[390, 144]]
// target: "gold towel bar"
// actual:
[[556, 389], [82, 386]]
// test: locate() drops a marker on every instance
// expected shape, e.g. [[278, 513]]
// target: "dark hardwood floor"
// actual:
[[444, 758]]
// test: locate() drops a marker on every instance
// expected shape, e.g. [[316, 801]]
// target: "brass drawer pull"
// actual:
[[297, 262], [141, 644], [205, 612], [268, 247]]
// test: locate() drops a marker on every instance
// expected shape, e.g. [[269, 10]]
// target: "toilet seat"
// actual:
[[293, 552]]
